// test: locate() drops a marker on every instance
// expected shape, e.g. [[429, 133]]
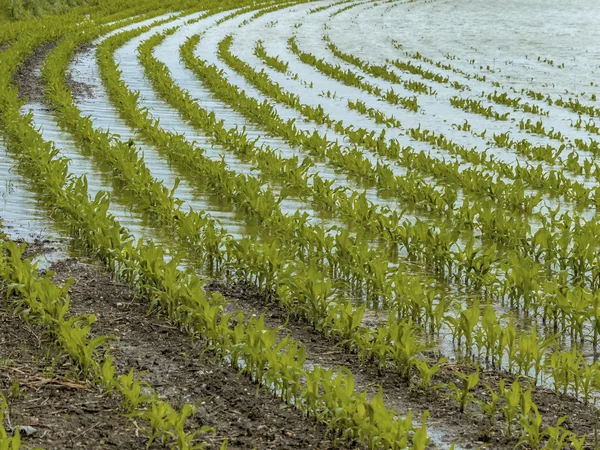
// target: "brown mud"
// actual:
[[78, 88], [27, 77], [55, 409]]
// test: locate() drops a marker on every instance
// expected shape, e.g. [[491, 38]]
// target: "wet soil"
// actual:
[[37, 247], [175, 368], [45, 397], [27, 77], [44, 392], [28, 80]]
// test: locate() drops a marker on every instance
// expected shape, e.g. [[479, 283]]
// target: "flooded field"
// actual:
[[381, 213]]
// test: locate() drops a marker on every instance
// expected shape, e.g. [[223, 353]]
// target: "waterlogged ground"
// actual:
[[549, 47]]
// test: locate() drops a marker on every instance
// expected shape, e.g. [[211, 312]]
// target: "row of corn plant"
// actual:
[[349, 78], [502, 99], [519, 242], [553, 181], [571, 104], [405, 66], [344, 310]]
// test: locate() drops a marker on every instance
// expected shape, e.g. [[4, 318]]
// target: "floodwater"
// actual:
[[539, 45]]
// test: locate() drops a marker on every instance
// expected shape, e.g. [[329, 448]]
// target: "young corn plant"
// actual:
[[512, 401], [426, 373], [530, 421], [530, 352], [131, 390], [73, 337], [558, 437], [463, 394], [405, 345], [491, 407], [531, 428]]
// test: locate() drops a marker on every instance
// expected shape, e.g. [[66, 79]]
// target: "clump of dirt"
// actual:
[[38, 247]]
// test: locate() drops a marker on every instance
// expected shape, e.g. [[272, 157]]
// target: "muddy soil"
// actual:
[[27, 77], [37, 247], [78, 88], [175, 368], [45, 397], [65, 412]]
